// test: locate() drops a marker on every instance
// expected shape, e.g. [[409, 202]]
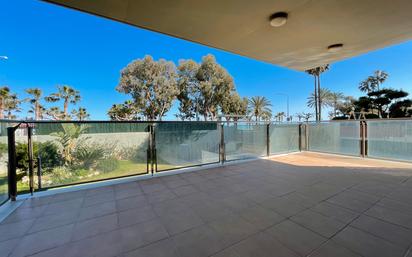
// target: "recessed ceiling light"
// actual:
[[335, 48], [278, 19]]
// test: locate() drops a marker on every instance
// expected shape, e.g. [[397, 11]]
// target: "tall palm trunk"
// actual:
[[319, 100], [316, 98], [37, 111], [65, 107]]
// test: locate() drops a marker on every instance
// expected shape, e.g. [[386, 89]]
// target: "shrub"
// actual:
[[3, 149], [108, 165], [48, 153], [86, 157]]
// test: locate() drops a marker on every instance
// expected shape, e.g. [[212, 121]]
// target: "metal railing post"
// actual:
[[30, 154], [363, 139], [154, 152], [39, 172], [222, 154], [151, 164], [300, 136], [268, 140], [12, 167], [307, 143]]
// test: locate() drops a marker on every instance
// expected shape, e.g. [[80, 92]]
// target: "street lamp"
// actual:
[[4, 57], [287, 104]]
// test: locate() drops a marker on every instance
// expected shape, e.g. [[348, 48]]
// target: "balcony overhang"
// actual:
[[242, 26]]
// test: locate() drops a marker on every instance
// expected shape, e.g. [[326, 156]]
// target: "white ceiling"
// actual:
[[242, 26]]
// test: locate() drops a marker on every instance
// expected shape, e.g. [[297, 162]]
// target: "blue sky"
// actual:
[[49, 45]]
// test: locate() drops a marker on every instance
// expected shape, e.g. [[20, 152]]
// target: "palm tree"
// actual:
[[68, 95], [4, 94], [307, 116], [300, 116], [324, 98], [259, 106], [266, 116], [35, 100], [366, 85], [11, 104], [81, 114], [316, 72], [68, 139], [335, 99], [380, 77], [279, 116]]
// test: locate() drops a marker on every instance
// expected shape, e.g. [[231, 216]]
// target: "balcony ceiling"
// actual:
[[242, 26]]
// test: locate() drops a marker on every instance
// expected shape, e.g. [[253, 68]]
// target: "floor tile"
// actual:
[[261, 245], [296, 237], [261, 217], [43, 240], [335, 211], [136, 215], [366, 244], [92, 227], [135, 236], [54, 220], [131, 202], [233, 229], [200, 242], [15, 229], [354, 200], [332, 249], [163, 248], [97, 210], [392, 216], [6, 247], [318, 223], [395, 234], [178, 221], [184, 190]]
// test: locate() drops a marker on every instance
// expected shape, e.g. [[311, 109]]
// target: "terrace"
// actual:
[[346, 207], [267, 190], [221, 189]]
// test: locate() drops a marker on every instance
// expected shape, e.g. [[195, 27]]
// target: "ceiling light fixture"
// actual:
[[335, 48], [278, 19]]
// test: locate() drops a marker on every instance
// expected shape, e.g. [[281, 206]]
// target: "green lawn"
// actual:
[[126, 168], [3, 186]]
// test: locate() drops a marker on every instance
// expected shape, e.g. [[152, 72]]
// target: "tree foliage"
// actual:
[[152, 85], [235, 107], [124, 112]]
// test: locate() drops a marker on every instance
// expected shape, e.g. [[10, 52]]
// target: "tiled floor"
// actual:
[[349, 207]]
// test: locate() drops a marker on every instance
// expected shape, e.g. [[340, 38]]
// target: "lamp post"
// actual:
[[287, 104]]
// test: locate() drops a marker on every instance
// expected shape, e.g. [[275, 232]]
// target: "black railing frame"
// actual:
[[12, 163]]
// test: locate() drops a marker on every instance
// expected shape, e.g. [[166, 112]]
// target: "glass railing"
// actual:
[[340, 137], [67, 153], [4, 190], [284, 138], [183, 144], [391, 139], [244, 140], [71, 153]]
